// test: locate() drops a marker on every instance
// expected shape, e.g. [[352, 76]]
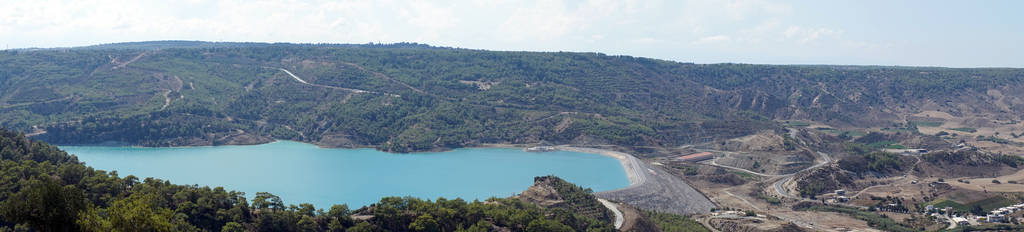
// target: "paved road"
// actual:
[[713, 163], [786, 178], [780, 189], [331, 87], [618, 214], [293, 75]]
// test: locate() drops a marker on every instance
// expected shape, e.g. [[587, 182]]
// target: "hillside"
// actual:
[[410, 97]]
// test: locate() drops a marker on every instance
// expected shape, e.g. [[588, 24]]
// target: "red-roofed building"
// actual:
[[697, 157]]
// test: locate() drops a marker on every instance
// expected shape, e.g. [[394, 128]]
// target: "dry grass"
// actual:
[[985, 184]]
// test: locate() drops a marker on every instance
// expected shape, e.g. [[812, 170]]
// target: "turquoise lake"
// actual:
[[304, 173]]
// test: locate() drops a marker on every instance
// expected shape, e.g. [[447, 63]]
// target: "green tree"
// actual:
[[363, 227], [45, 205], [232, 227], [265, 200], [307, 223], [135, 213], [545, 225], [425, 223]]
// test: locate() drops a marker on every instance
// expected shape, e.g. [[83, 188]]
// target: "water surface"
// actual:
[[300, 172]]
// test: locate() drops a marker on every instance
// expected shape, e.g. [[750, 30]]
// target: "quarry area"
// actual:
[[933, 172]]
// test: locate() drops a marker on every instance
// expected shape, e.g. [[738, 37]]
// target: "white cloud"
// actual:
[[546, 20], [755, 30], [431, 19], [806, 35], [712, 39], [742, 9]]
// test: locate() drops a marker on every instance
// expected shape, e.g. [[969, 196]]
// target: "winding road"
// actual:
[[300, 80], [615, 210], [784, 177]]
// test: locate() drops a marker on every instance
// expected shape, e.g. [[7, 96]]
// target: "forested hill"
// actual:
[[412, 97]]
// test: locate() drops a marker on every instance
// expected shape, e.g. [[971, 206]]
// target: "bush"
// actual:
[[966, 129]]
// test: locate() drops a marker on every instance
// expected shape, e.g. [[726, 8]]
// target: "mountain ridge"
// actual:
[[442, 98]]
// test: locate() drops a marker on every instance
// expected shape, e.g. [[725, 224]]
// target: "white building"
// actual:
[[995, 218]]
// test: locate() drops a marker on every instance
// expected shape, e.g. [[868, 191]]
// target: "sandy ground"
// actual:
[[896, 187], [1000, 129], [985, 184]]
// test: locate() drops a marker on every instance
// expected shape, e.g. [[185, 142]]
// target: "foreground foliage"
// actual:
[[46, 189], [671, 223]]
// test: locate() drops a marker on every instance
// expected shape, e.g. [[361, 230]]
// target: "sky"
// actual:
[[860, 32]]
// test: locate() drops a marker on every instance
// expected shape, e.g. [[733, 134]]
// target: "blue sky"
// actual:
[[918, 33]]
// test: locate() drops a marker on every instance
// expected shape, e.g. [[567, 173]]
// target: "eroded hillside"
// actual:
[[409, 97]]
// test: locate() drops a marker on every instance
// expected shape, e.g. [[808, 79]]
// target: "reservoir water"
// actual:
[[304, 173]]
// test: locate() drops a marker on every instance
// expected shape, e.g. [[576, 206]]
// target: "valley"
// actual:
[[721, 147]]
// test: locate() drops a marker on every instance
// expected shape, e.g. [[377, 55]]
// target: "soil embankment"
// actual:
[[651, 188]]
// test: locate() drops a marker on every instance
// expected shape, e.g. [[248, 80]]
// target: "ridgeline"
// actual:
[[414, 97]]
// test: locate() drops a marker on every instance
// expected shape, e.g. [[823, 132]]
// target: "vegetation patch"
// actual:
[[988, 204], [927, 124], [798, 124], [675, 223], [770, 199], [943, 203], [965, 129], [744, 175], [877, 162], [852, 133]]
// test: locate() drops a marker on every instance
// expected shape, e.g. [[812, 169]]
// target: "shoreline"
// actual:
[[630, 164], [439, 149]]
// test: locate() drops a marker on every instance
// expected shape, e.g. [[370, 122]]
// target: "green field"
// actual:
[[848, 133], [886, 144], [943, 203], [991, 203]]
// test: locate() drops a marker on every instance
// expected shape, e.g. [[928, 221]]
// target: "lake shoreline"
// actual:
[[497, 170], [626, 160]]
